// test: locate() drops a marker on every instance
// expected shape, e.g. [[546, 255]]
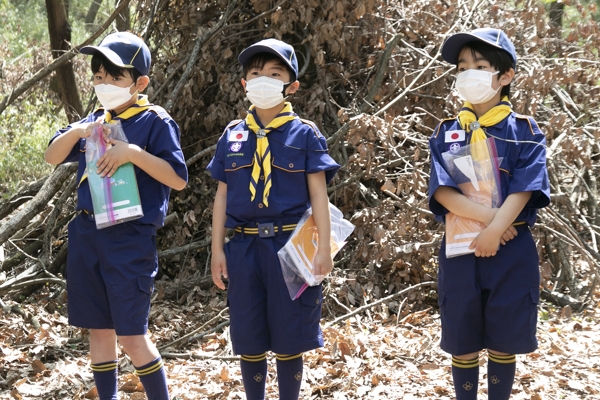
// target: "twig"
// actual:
[[48, 190], [19, 285], [200, 41], [183, 249], [196, 330], [381, 72], [198, 356], [373, 304], [199, 155], [60, 61]]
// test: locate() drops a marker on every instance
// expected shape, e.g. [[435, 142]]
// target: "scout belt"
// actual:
[[265, 230]]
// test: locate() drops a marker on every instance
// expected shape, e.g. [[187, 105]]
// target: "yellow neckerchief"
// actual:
[[262, 155], [141, 105], [469, 122]]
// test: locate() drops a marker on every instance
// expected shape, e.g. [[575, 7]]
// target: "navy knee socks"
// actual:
[[106, 379], [254, 375], [154, 379], [465, 374], [289, 375], [501, 375]]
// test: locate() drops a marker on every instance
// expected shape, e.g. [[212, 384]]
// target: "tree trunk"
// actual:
[[557, 10], [123, 20], [92, 12], [60, 37]]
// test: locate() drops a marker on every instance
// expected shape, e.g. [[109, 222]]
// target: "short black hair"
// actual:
[[99, 60], [497, 58], [260, 59]]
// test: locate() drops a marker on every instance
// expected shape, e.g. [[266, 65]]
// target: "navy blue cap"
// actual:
[[125, 50], [283, 50], [492, 36]]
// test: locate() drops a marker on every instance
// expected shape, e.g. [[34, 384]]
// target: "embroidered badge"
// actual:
[[455, 136], [235, 147], [237, 136], [454, 147]]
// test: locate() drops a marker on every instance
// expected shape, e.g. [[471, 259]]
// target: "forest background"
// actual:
[[372, 79]]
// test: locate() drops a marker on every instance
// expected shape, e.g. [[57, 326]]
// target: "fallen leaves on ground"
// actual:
[[367, 356]]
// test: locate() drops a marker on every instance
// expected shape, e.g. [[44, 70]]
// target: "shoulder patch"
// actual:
[[533, 126], [313, 127], [158, 110], [230, 125], [442, 122], [233, 123]]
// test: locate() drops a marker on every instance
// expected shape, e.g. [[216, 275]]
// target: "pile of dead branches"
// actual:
[[373, 80]]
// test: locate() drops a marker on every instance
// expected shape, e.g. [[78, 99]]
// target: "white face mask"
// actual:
[[475, 86], [111, 96], [265, 92]]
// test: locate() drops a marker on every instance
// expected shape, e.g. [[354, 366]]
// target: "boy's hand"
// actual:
[[87, 129], [323, 263], [486, 243], [509, 234], [218, 268], [114, 157]]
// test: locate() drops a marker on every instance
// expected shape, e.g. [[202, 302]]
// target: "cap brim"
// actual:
[[454, 44], [255, 49], [108, 53]]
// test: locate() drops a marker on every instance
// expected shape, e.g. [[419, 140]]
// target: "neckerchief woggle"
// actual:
[[262, 155], [469, 122]]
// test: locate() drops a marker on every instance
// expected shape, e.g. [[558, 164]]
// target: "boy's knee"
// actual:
[[469, 356]]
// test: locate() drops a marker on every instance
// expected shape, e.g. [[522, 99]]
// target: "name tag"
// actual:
[[237, 136], [455, 136]]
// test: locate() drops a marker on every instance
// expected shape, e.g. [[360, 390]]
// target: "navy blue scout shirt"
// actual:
[[297, 149], [154, 131], [523, 167]]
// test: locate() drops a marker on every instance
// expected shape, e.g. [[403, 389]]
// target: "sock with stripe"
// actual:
[[289, 375], [465, 374], [106, 378], [254, 375], [154, 379], [501, 375]]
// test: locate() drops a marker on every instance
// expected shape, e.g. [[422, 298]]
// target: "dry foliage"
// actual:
[[373, 81]]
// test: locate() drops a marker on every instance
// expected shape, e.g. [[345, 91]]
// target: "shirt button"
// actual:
[[291, 165], [317, 301], [262, 177], [260, 205], [233, 165]]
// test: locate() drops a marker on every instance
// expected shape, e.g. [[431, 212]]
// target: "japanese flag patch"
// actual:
[[239, 136], [455, 136]]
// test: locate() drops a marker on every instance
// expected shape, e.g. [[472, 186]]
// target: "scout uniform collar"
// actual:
[[262, 155], [141, 105]]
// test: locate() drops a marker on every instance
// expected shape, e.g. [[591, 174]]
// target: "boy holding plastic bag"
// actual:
[[110, 271], [488, 298], [271, 167]]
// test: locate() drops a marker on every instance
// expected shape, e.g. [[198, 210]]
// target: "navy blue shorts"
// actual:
[[263, 316], [490, 303], [110, 276]]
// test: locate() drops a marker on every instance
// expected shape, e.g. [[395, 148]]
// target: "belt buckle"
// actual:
[[266, 230]]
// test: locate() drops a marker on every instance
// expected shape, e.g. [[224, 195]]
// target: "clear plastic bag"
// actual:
[[475, 169], [116, 199], [296, 256]]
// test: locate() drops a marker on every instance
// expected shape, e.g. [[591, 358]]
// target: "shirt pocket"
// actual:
[[289, 180], [238, 170]]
